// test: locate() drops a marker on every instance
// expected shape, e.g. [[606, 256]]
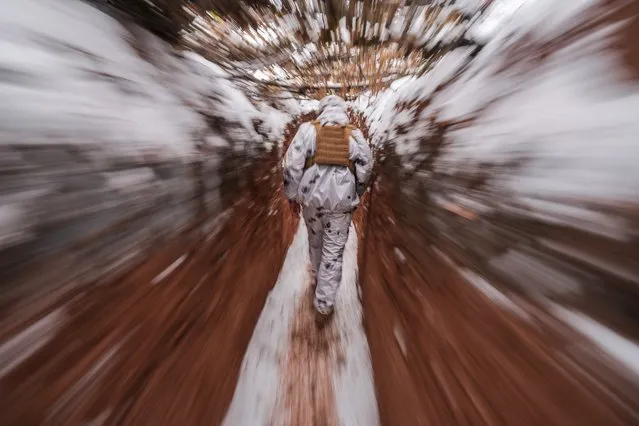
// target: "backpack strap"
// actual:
[[348, 129], [310, 160]]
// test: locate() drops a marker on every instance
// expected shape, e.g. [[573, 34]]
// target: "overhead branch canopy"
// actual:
[[306, 45]]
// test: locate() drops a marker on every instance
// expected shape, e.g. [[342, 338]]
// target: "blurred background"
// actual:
[[151, 270]]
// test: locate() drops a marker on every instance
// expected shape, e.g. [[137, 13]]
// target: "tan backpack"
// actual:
[[332, 147]]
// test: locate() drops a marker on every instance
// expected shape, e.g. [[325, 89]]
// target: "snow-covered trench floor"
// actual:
[[294, 373]]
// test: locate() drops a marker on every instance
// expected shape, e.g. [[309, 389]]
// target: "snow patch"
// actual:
[[622, 349], [75, 75], [19, 348], [130, 178], [11, 223], [489, 290], [166, 272], [399, 255], [535, 274]]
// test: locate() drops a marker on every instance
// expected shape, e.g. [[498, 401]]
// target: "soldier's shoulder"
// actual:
[[307, 126]]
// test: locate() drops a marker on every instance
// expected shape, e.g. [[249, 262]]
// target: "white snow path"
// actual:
[[260, 386]]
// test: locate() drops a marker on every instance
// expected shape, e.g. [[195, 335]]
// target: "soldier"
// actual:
[[326, 169]]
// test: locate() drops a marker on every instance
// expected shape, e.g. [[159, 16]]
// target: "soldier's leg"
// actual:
[[335, 234], [314, 228]]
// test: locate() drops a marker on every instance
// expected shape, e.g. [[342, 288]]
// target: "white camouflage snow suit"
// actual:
[[328, 194]]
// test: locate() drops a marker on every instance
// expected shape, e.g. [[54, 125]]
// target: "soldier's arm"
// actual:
[[362, 157], [295, 158]]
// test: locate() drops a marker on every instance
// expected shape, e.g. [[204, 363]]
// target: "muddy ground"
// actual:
[[445, 353], [158, 350]]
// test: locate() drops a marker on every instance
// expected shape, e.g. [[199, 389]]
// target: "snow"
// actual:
[[471, 204], [572, 113], [535, 273], [275, 121], [19, 348], [622, 349], [443, 256], [169, 269], [607, 265], [73, 68], [575, 217], [75, 75], [469, 6], [384, 117], [309, 106], [99, 367], [491, 292], [217, 141], [494, 18], [399, 255], [11, 223], [129, 178], [344, 33], [588, 130], [550, 19], [259, 387]]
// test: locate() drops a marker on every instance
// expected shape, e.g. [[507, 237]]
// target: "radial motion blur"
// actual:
[[187, 240]]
